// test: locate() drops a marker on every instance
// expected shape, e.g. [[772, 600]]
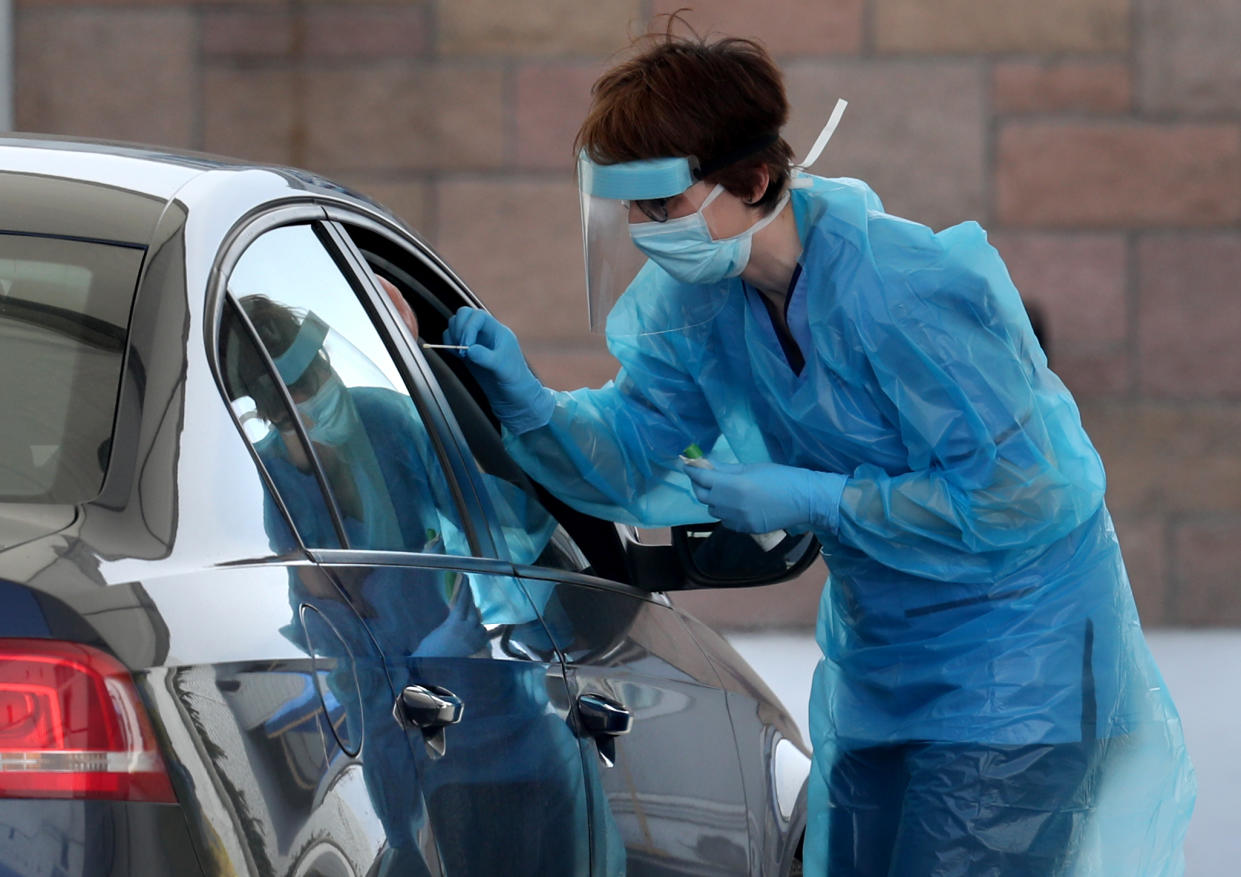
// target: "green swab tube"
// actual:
[[693, 456]]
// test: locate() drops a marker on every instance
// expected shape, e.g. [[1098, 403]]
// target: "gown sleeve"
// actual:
[[612, 452], [998, 462]]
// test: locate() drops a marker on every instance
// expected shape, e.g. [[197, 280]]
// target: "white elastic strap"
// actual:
[[715, 193], [769, 218], [826, 134]]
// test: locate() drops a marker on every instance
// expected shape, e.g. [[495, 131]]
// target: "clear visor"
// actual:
[[612, 260]]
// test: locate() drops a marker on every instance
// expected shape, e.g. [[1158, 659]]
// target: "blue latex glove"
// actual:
[[496, 361], [759, 497], [460, 634]]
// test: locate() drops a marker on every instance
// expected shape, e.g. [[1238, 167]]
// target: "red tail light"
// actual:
[[72, 726]]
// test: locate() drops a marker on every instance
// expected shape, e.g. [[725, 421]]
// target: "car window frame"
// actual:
[[249, 229], [424, 390]]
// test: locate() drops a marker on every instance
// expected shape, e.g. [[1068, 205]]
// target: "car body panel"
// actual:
[[93, 839], [512, 761], [773, 757]]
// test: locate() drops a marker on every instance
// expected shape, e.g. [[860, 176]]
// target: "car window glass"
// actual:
[[530, 533], [64, 317], [247, 380], [367, 436]]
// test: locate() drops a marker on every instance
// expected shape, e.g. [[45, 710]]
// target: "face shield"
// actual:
[[612, 260], [292, 364], [683, 246]]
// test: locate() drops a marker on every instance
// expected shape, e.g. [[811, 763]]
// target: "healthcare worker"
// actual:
[[985, 703]]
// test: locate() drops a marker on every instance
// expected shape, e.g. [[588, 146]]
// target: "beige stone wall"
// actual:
[[1098, 140]]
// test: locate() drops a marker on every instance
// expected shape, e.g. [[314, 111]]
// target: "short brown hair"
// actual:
[[721, 102]]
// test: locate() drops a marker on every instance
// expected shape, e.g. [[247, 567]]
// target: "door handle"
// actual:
[[602, 717], [428, 707], [605, 720]]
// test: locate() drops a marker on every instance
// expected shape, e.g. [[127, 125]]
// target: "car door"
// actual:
[[477, 695], [654, 730]]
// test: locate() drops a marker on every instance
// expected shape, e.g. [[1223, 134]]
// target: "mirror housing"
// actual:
[[712, 556]]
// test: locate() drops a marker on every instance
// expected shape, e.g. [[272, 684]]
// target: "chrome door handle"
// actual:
[[602, 717], [428, 707], [605, 720]]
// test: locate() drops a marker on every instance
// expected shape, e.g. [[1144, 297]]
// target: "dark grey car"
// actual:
[[240, 634]]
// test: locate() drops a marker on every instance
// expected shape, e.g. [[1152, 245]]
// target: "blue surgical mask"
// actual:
[[685, 249], [328, 414]]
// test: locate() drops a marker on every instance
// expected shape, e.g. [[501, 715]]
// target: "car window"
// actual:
[[367, 441], [64, 317], [530, 532], [246, 380]]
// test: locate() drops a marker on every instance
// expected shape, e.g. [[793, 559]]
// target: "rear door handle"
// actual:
[[602, 717], [605, 720], [430, 709]]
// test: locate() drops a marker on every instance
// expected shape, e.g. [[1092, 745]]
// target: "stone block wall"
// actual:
[[1099, 141]]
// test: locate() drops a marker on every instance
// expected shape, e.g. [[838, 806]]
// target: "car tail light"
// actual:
[[72, 726]]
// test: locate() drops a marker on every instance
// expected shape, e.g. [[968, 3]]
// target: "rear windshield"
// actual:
[[64, 314]]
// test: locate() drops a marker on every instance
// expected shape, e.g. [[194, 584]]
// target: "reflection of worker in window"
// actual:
[[371, 444], [391, 493], [376, 455], [386, 500]]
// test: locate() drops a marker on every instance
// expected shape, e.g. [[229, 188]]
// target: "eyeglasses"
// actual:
[[654, 209]]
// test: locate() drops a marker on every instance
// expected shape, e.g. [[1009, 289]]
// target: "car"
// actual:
[[275, 600]]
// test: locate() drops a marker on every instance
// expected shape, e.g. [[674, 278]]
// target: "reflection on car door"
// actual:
[[674, 786], [336, 777], [503, 777], [476, 692]]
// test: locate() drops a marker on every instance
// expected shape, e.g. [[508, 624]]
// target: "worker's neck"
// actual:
[[774, 254]]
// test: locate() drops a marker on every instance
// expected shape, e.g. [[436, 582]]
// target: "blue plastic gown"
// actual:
[[977, 593]]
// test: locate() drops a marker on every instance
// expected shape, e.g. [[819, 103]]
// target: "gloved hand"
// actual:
[[759, 497], [460, 634], [496, 361]]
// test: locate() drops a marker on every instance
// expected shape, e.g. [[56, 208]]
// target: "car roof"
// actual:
[[113, 191]]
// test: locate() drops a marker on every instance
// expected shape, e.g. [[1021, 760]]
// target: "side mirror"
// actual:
[[711, 556]]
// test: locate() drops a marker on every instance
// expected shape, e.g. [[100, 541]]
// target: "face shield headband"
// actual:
[[292, 364]]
